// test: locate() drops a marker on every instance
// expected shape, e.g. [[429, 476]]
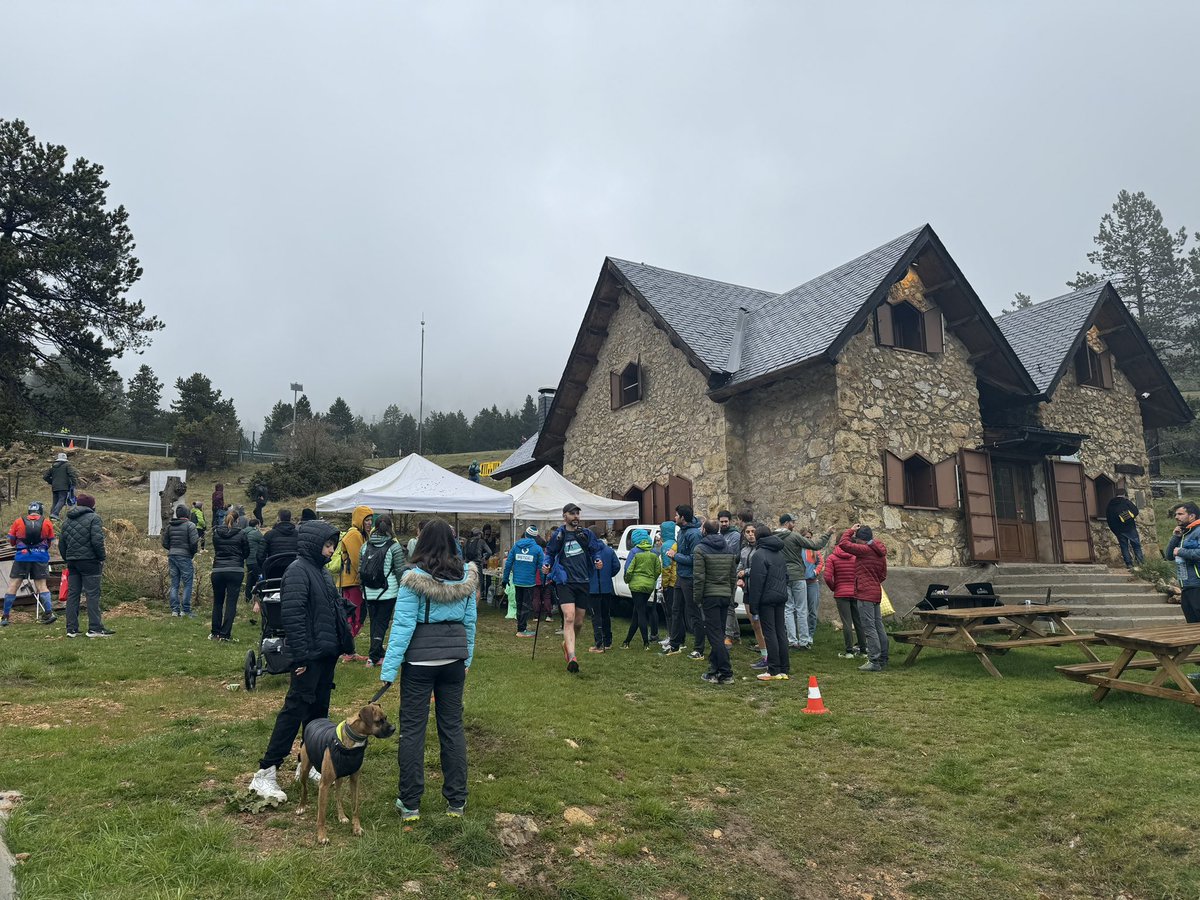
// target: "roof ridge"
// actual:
[[1015, 315]]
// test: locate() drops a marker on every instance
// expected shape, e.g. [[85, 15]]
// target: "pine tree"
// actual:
[[340, 419], [1019, 301], [143, 399], [304, 409]]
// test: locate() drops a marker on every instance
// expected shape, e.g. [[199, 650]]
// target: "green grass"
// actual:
[[934, 781]]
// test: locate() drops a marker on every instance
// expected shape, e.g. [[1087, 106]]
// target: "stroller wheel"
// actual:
[[251, 671]]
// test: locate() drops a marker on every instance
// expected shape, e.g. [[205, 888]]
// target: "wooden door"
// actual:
[[980, 510], [1071, 513], [1012, 490]]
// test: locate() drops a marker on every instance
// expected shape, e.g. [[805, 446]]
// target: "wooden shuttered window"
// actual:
[[979, 504], [1089, 494], [627, 386], [898, 488], [884, 332], [1070, 500], [1106, 370], [893, 479], [945, 477], [934, 342], [614, 389]]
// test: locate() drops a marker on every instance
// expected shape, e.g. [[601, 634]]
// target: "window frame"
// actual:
[[623, 391]]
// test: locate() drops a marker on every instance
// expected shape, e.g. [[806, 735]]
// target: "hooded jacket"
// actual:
[[871, 570], [61, 476], [733, 540], [309, 601], [423, 598], [230, 549], [280, 539], [522, 563], [642, 566], [667, 532], [1121, 514], [571, 555], [393, 567], [256, 547], [794, 545], [82, 536], [600, 581], [180, 538], [714, 569], [768, 585], [686, 540], [35, 551], [1187, 561], [840, 567], [351, 547]]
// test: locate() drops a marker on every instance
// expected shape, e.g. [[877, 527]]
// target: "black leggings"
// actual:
[[640, 610], [226, 587]]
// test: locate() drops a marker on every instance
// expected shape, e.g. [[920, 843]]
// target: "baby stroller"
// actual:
[[272, 657]]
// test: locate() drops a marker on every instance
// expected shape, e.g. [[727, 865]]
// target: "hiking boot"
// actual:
[[871, 667], [100, 632], [50, 621], [454, 812], [696, 654], [726, 679], [267, 786], [710, 677], [761, 663], [407, 815]]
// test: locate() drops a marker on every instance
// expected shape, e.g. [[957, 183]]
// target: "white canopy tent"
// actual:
[[542, 496], [414, 484]]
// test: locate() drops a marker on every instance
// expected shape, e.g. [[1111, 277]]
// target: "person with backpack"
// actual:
[[571, 555], [31, 535], [600, 587], [522, 565], [181, 540], [197, 517], [380, 566], [350, 549], [62, 478], [231, 548], [81, 545], [642, 568], [473, 471], [1121, 515]]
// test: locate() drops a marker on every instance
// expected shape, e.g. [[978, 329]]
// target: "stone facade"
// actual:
[[1112, 420], [675, 429]]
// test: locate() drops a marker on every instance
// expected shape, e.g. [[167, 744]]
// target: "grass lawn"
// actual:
[[935, 781]]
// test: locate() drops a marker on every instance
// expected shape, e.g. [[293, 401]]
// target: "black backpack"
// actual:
[[372, 573], [38, 523]]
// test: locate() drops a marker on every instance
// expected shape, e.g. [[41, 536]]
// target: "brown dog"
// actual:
[[337, 751]]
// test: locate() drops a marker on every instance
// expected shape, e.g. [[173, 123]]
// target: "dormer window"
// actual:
[[626, 386], [1093, 369], [903, 326]]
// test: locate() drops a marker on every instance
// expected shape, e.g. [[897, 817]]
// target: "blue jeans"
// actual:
[[814, 603], [1128, 539], [182, 569], [60, 500], [795, 614]]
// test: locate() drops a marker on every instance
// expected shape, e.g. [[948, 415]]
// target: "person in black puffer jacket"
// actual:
[[81, 543], [309, 620], [281, 539], [768, 594], [230, 549]]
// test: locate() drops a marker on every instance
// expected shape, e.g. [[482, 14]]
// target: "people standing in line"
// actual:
[[684, 613], [181, 540], [1184, 551], [31, 536], [570, 556], [348, 583], [870, 572], [198, 519], [308, 515], [62, 478], [642, 569], [1121, 515], [600, 587], [260, 502], [768, 586], [670, 579], [309, 609], [281, 538], [796, 615], [218, 506], [430, 651], [521, 566], [81, 545], [733, 544], [749, 545], [380, 565], [231, 549], [714, 581], [242, 520], [256, 547], [840, 574]]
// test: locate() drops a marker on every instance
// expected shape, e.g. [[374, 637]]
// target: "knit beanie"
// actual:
[[865, 534], [531, 531], [85, 500]]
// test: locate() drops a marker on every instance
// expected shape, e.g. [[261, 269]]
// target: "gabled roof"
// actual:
[[1047, 335], [518, 460]]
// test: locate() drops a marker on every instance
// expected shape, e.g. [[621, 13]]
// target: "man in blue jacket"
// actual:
[[684, 616], [571, 554], [524, 559], [600, 586]]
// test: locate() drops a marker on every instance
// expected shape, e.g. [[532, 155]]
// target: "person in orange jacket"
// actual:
[[347, 580]]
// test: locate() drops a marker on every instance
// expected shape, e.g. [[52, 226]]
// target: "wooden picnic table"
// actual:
[[1169, 646], [957, 629]]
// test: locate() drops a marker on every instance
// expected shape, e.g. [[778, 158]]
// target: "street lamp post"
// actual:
[[421, 407], [296, 389]]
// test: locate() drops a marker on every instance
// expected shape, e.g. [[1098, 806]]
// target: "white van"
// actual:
[[625, 545]]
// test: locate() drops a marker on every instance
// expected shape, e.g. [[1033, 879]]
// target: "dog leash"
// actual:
[[379, 693]]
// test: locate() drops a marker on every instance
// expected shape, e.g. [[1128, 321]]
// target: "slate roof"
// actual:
[[1044, 334], [701, 311], [522, 456]]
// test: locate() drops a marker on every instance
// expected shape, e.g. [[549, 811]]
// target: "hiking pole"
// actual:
[[537, 626]]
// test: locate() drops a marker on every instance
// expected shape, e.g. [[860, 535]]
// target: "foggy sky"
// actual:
[[305, 179]]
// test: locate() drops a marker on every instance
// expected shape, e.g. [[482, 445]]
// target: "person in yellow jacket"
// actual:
[[350, 549]]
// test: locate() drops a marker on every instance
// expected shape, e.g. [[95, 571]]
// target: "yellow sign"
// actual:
[[489, 467]]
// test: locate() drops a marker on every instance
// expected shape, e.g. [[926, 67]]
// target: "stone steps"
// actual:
[[1045, 579]]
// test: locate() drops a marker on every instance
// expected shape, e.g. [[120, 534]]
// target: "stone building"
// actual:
[[882, 391]]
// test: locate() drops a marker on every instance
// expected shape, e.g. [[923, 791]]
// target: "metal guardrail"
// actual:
[[87, 440], [1177, 485]]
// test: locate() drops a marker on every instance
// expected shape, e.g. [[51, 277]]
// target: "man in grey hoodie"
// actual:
[[181, 540]]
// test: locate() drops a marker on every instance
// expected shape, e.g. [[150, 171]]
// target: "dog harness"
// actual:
[[346, 749]]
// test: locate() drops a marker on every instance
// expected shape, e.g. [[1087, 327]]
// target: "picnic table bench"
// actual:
[[1169, 647], [957, 629]]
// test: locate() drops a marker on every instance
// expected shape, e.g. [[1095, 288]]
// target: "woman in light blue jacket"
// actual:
[[431, 649]]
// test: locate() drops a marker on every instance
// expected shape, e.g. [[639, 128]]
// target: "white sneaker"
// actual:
[[266, 786], [313, 775]]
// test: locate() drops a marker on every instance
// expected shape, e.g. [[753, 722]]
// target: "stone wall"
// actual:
[[675, 429], [1112, 419]]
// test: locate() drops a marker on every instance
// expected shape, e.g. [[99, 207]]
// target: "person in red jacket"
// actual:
[[840, 571], [869, 573]]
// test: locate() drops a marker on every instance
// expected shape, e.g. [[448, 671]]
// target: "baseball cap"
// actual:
[[785, 518], [571, 507]]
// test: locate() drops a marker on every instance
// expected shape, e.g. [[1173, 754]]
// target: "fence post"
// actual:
[[1179, 489], [87, 442]]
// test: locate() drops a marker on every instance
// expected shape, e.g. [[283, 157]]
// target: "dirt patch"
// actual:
[[135, 609], [79, 710]]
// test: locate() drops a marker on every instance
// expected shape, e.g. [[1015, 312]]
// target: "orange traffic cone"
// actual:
[[816, 706], [71, 445]]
